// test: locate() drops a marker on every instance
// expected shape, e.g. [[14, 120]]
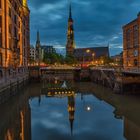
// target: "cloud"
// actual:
[[95, 22]]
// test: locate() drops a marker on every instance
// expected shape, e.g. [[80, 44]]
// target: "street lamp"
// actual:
[[93, 55]]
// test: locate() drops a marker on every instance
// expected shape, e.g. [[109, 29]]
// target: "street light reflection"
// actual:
[[88, 108]]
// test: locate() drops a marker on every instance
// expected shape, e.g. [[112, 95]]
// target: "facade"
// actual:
[[131, 44], [48, 49], [88, 55], [70, 46], [14, 34], [32, 53]]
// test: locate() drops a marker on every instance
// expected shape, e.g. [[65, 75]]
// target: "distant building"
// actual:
[[70, 46], [32, 53], [48, 49], [87, 55], [118, 59], [131, 44]]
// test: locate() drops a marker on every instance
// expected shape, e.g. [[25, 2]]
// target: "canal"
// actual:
[[69, 111]]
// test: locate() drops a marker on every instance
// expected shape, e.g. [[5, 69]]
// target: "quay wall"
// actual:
[[9, 88]]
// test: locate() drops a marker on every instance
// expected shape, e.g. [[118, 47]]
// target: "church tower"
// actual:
[[25, 3], [38, 47], [70, 46]]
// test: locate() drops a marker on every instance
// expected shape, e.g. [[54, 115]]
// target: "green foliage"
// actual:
[[69, 59], [53, 58]]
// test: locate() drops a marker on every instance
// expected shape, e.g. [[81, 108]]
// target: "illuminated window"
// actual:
[[0, 59], [0, 4], [0, 31], [135, 36], [135, 62]]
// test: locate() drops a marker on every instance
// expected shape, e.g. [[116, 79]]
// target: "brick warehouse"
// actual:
[[131, 44], [14, 34]]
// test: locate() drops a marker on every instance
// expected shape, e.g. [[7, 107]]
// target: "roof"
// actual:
[[97, 51], [133, 21], [46, 46]]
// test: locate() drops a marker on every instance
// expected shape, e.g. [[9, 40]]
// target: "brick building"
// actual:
[[14, 34], [93, 54], [131, 44]]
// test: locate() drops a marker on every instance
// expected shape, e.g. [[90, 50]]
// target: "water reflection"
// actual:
[[15, 119], [62, 91], [79, 112]]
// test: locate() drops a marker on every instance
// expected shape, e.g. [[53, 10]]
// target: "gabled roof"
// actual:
[[97, 51]]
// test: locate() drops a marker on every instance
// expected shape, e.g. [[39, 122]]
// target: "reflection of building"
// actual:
[[71, 110], [131, 44], [70, 46], [90, 54], [70, 94], [16, 120], [131, 130], [14, 33]]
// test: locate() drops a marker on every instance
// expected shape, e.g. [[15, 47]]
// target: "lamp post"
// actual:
[[87, 51], [93, 55]]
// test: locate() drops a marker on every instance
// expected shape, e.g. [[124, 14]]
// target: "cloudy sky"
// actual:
[[96, 22]]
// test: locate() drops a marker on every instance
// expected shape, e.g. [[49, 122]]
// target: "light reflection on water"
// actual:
[[91, 112]]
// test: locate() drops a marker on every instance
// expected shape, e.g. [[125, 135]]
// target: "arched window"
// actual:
[[135, 62]]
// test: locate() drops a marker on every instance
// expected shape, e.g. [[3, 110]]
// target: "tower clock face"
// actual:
[[136, 53]]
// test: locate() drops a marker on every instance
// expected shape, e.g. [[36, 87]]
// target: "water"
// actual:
[[83, 111]]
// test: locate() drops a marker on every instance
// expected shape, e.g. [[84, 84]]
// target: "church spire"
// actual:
[[70, 46], [38, 38], [70, 12]]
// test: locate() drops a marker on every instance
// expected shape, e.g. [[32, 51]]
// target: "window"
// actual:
[[15, 32], [15, 19], [0, 4], [10, 28], [0, 31], [135, 36], [10, 12], [10, 43], [135, 62], [128, 37], [0, 59]]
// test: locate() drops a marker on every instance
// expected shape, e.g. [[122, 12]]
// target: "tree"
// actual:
[[69, 59]]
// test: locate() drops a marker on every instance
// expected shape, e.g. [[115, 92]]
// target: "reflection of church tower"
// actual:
[[71, 110], [38, 48], [70, 46]]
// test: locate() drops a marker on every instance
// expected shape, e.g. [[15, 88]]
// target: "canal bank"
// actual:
[[9, 87]]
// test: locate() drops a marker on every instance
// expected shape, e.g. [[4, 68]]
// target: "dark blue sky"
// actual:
[[96, 22]]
